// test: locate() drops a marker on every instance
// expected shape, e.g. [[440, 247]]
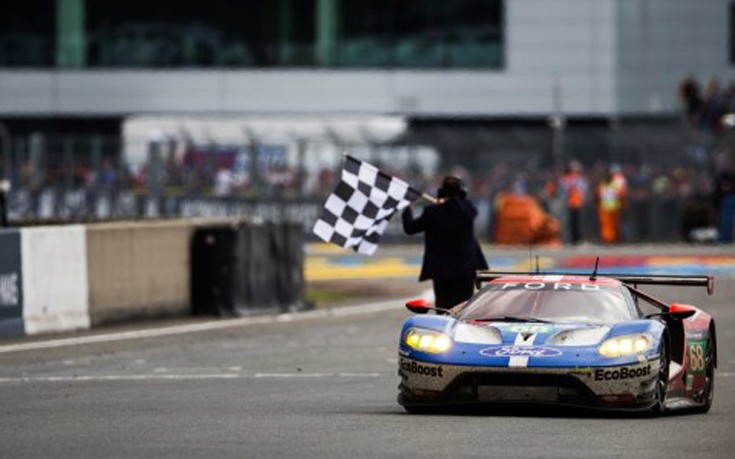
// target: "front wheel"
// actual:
[[662, 381], [708, 394]]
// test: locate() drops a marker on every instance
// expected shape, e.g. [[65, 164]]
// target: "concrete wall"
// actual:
[[138, 270], [594, 57], [65, 278], [54, 265]]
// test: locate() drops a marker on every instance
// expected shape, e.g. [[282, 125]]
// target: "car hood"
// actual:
[[498, 343]]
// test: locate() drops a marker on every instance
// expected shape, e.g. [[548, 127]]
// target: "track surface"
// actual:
[[320, 385]]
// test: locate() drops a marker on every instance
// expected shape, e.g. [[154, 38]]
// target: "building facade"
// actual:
[[431, 58]]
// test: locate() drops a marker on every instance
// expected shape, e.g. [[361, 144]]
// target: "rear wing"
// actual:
[[634, 279]]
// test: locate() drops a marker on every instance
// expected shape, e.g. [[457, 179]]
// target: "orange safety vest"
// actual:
[[610, 196], [575, 187]]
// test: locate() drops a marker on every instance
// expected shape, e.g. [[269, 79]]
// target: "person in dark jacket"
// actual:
[[725, 203], [451, 252], [4, 188]]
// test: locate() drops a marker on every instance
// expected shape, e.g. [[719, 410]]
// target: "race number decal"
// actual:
[[697, 351]]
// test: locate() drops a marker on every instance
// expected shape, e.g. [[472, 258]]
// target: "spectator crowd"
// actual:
[[708, 112]]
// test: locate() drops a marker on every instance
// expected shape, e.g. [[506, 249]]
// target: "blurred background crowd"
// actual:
[[94, 178]]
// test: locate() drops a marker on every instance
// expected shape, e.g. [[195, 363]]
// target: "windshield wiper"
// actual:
[[514, 319]]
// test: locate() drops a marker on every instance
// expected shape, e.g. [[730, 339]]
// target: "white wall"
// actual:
[[600, 57], [54, 267]]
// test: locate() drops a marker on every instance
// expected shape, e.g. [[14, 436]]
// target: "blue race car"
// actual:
[[561, 339]]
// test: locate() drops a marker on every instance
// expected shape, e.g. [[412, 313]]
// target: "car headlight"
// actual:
[[430, 341], [625, 345]]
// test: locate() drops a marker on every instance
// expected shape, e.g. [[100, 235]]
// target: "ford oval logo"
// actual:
[[520, 351]]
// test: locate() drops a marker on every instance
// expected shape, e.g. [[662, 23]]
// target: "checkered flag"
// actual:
[[357, 212]]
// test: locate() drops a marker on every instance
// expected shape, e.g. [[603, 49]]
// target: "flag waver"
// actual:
[[358, 210]]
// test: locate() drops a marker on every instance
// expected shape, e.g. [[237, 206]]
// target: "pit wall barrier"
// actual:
[[246, 269], [55, 282], [75, 277], [138, 270], [11, 290]]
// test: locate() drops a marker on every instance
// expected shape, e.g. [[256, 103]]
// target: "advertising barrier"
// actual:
[[247, 268], [288, 241], [255, 271], [11, 284]]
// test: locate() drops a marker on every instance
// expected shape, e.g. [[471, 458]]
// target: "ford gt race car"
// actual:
[[562, 339]]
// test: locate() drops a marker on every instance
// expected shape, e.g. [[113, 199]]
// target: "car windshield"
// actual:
[[557, 302]]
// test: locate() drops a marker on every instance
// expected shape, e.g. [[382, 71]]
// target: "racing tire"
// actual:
[[662, 381], [709, 371]]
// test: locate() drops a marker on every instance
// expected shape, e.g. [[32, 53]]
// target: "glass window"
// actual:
[[27, 29], [253, 33], [565, 302], [421, 33], [174, 33]]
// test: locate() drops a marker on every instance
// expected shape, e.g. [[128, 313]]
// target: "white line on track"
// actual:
[[291, 375], [208, 326], [183, 377], [360, 375]]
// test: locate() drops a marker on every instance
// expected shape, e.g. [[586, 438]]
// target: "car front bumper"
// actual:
[[617, 387]]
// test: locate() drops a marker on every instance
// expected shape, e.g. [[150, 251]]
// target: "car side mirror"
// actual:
[[681, 311], [418, 306]]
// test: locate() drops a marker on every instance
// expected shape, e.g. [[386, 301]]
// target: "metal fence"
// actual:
[[87, 178]]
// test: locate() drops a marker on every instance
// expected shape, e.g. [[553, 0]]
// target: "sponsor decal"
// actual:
[[697, 351], [622, 373], [9, 291], [696, 335], [520, 351], [549, 286], [414, 367]]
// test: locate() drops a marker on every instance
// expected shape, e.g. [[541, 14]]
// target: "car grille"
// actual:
[[512, 387]]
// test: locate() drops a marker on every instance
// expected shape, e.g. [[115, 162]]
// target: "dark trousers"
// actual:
[[726, 218], [3, 210], [451, 292], [575, 225]]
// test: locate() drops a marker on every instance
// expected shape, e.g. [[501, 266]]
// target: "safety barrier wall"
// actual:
[[11, 291], [55, 287], [64, 278], [268, 270], [138, 270], [243, 269]]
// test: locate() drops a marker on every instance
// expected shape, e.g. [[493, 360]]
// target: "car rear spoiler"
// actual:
[[684, 281]]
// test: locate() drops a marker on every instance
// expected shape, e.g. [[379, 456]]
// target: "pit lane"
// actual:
[[308, 386]]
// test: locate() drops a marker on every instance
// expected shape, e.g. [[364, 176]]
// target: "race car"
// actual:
[[563, 339]]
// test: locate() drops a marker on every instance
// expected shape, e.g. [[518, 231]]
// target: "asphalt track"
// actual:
[[320, 384]]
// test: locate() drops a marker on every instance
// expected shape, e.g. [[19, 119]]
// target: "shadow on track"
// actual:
[[530, 411]]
